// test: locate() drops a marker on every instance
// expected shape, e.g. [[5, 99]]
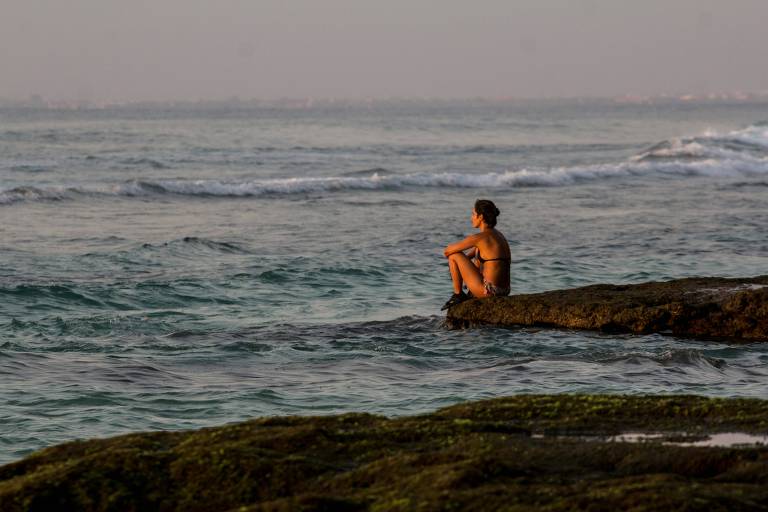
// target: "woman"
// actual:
[[488, 276]]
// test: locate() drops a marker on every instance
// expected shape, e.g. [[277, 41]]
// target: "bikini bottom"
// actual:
[[491, 290]]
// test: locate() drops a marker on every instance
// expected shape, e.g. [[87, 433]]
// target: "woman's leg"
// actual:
[[464, 271], [453, 267]]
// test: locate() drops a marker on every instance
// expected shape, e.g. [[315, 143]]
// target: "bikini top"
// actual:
[[481, 260]]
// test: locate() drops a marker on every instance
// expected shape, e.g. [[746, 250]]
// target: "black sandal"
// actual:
[[456, 298]]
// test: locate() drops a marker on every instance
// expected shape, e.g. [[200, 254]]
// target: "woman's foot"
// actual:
[[456, 298]]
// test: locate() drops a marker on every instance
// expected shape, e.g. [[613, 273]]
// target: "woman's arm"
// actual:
[[468, 243]]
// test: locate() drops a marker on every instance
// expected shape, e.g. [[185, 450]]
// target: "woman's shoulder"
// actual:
[[499, 239], [494, 234], [490, 240]]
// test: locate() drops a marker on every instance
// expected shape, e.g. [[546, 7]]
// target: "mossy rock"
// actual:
[[702, 307], [474, 456]]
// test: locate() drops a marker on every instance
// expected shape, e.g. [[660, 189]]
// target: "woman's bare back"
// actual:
[[493, 254]]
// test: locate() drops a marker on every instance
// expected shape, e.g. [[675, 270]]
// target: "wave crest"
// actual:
[[28, 193], [750, 144], [734, 154]]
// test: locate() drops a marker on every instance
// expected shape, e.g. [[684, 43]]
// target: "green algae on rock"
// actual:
[[473, 456], [706, 307]]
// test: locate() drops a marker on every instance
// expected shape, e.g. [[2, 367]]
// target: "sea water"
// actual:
[[173, 268]]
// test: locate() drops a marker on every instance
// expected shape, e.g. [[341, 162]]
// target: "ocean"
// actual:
[[178, 267]]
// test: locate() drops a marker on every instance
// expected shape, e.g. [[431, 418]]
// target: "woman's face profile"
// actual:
[[475, 219]]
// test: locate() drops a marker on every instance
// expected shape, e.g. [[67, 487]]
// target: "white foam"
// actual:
[[690, 149], [317, 184], [736, 144], [561, 176], [510, 179], [707, 155], [756, 135], [13, 195], [713, 167]]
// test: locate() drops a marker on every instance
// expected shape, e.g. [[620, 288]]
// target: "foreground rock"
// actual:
[[477, 456], [707, 307]]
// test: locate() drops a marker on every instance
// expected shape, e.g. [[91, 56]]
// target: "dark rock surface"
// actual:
[[516, 453], [706, 307]]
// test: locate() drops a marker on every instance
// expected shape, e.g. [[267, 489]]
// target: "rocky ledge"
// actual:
[[706, 307], [518, 453]]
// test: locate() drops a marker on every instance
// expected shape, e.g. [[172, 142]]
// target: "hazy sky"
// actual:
[[194, 49]]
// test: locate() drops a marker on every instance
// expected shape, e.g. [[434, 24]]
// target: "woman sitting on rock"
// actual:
[[488, 275]]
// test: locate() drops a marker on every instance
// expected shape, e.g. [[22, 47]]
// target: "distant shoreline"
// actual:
[[310, 103]]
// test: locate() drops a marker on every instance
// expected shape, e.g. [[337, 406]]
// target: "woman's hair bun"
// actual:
[[488, 210]]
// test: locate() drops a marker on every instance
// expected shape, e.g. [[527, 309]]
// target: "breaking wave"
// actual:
[[749, 144], [17, 194], [740, 153]]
